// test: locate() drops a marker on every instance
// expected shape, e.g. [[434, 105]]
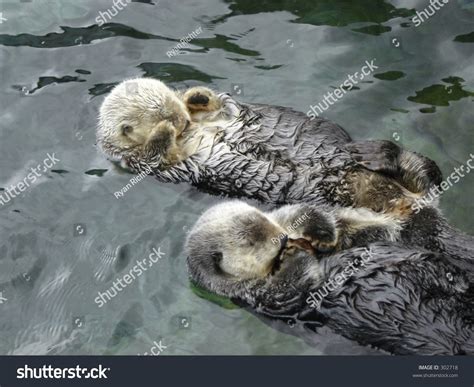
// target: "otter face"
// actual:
[[250, 251], [240, 236], [140, 120]]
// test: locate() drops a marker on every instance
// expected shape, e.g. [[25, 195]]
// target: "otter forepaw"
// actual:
[[402, 208], [201, 99], [319, 228], [324, 247], [173, 156], [163, 142]]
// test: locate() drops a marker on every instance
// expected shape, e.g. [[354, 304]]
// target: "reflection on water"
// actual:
[[441, 95], [331, 13], [57, 65], [168, 72], [390, 75], [467, 38], [75, 36], [45, 81]]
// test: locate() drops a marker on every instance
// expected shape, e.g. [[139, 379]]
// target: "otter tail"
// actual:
[[418, 173]]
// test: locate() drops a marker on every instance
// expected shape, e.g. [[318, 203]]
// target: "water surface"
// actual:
[[67, 237]]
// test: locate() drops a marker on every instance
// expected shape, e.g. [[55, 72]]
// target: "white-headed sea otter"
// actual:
[[269, 153]]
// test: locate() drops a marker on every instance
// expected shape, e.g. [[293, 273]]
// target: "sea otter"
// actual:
[[403, 301], [247, 233], [269, 153]]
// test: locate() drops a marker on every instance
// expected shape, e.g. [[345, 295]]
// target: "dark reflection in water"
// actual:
[[76, 36], [224, 42], [441, 95], [96, 172], [373, 30], [175, 72], [390, 75], [336, 13], [80, 36], [467, 38], [101, 88], [45, 81]]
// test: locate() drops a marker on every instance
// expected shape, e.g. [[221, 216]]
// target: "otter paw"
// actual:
[[320, 229], [324, 247], [402, 208], [164, 138], [301, 244], [172, 156], [201, 99], [198, 100]]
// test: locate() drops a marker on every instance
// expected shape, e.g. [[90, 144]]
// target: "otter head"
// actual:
[[139, 122], [233, 242]]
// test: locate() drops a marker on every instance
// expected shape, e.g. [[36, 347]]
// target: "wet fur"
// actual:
[[403, 301], [278, 156], [155, 117], [268, 153], [330, 228], [248, 241]]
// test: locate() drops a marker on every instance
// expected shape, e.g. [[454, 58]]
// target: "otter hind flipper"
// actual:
[[201, 99], [378, 155], [414, 172], [198, 99]]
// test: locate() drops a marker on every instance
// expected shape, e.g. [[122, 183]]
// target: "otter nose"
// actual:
[[302, 244], [162, 134]]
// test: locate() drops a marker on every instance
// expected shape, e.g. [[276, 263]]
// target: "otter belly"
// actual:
[[278, 156], [200, 138]]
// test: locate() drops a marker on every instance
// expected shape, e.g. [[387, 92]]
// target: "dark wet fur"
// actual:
[[403, 301], [278, 155]]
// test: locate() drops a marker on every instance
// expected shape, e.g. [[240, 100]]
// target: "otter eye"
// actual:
[[126, 129]]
